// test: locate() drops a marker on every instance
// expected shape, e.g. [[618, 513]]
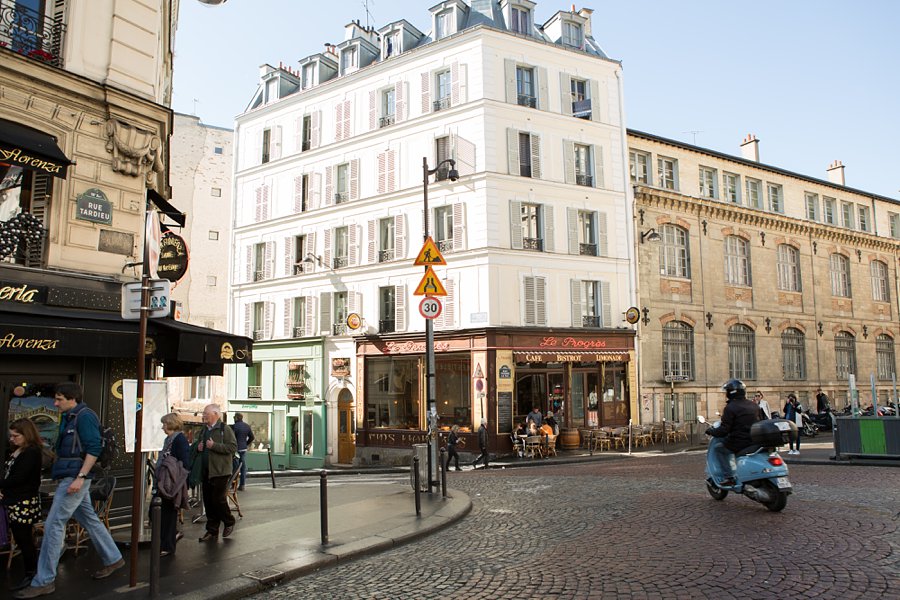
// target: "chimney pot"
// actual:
[[750, 148], [836, 173]]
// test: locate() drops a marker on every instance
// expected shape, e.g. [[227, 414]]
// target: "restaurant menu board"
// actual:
[[155, 406], [504, 412]]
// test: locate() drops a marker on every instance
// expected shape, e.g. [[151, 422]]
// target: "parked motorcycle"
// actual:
[[760, 472], [809, 429], [822, 420]]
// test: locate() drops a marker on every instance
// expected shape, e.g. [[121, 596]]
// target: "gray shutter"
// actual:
[[512, 151], [549, 228], [373, 109], [373, 242], [288, 317], [459, 226], [516, 233], [348, 113], [528, 297], [354, 179], [540, 300], [325, 313], [577, 307], [329, 185], [509, 72], [328, 249], [354, 302], [426, 93], [338, 119], [298, 134], [569, 155], [400, 307], [289, 256], [270, 260], [248, 266], [391, 170], [248, 317], [572, 230], [597, 151], [276, 142], [309, 325], [602, 235], [448, 314], [543, 88], [565, 93], [400, 236], [606, 305], [535, 156], [595, 100]]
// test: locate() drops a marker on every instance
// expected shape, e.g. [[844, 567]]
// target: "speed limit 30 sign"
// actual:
[[430, 308]]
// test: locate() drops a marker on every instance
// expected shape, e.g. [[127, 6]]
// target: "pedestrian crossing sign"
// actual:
[[430, 285], [429, 254]]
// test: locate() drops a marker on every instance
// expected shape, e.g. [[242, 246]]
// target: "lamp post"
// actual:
[[430, 384]]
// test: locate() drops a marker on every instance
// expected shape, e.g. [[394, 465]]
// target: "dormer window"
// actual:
[[392, 44], [272, 90], [349, 59], [572, 34], [520, 19], [442, 24], [309, 76]]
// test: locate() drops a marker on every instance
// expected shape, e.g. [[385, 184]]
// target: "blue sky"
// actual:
[[815, 80]]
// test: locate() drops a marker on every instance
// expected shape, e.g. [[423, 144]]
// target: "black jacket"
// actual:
[[738, 417], [24, 478]]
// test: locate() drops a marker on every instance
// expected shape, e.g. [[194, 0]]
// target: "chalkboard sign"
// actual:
[[504, 412]]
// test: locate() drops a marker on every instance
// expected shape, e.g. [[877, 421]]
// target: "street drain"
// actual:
[[264, 575]]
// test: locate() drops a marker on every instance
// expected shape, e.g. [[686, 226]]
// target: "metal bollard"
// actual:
[[155, 516], [431, 481], [271, 468], [445, 459], [323, 505], [417, 485], [665, 435]]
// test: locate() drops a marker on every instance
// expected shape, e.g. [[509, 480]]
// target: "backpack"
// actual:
[[109, 449]]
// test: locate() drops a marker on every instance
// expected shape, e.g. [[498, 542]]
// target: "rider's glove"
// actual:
[[709, 431]]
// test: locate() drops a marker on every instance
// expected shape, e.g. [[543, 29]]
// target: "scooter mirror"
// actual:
[[701, 419]]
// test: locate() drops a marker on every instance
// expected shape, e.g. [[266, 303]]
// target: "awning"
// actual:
[[165, 208], [185, 350], [564, 356], [31, 149]]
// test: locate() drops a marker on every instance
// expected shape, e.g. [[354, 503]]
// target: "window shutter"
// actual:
[[354, 179], [258, 215], [400, 101], [354, 301], [606, 305], [288, 317], [464, 155], [298, 134], [528, 295], [269, 267], [459, 226], [338, 121], [602, 235], [547, 213], [572, 230], [325, 313], [463, 76], [309, 325], [289, 256], [400, 307], [391, 170], [248, 266], [347, 116], [454, 83], [311, 248], [426, 93], [569, 154], [565, 93], [516, 232], [577, 304], [353, 241], [535, 156], [315, 198], [512, 151], [597, 151], [595, 101], [298, 194], [509, 71], [276, 142], [382, 172], [540, 303], [329, 185], [328, 249], [269, 315], [373, 109], [448, 314], [400, 236], [315, 129], [248, 318], [543, 88], [373, 241]]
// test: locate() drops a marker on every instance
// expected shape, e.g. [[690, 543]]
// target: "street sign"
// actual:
[[429, 255], [430, 308], [671, 378], [160, 290], [430, 285]]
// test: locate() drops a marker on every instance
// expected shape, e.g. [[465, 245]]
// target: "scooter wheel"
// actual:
[[716, 492], [779, 498]]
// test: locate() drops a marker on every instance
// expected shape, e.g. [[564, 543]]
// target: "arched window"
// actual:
[[793, 354], [884, 357], [678, 350], [788, 268], [741, 352], [844, 354], [880, 289], [674, 253], [840, 275], [737, 260]]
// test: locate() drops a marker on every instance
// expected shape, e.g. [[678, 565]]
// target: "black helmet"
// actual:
[[735, 389]]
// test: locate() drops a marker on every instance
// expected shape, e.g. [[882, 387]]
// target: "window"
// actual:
[[339, 313], [200, 388], [667, 173], [884, 357], [211, 280], [863, 213], [828, 210], [214, 235], [387, 307], [894, 220], [296, 380], [639, 163], [218, 150], [306, 135], [840, 275], [386, 239], [309, 75], [442, 25], [674, 253], [844, 354], [341, 247], [298, 318], [535, 300], [708, 179], [737, 261], [847, 215], [348, 59], [587, 233], [387, 108], [300, 251], [741, 352], [444, 87], [788, 268], [532, 227], [678, 350], [302, 203], [519, 20], [259, 262], [215, 192], [527, 152], [583, 165], [443, 228], [581, 104], [341, 187], [590, 303], [392, 392], [571, 34], [266, 143], [776, 198], [442, 153], [880, 290], [754, 197], [272, 90], [391, 44], [731, 185], [525, 87], [258, 324], [812, 206], [793, 354]]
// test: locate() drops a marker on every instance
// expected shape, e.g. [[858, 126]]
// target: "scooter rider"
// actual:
[[739, 415]]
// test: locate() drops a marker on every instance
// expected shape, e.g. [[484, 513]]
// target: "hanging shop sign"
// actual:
[[93, 206], [173, 257]]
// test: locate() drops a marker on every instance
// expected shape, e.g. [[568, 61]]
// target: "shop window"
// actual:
[[392, 392], [453, 382], [23, 191], [259, 425]]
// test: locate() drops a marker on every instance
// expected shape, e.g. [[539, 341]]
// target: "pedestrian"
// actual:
[[764, 411], [483, 444], [792, 412], [216, 448], [20, 492], [452, 441], [176, 446], [244, 436], [822, 403], [78, 446]]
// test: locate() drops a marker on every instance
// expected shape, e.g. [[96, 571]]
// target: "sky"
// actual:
[[814, 80]]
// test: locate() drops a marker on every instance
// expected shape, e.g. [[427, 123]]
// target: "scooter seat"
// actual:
[[749, 450]]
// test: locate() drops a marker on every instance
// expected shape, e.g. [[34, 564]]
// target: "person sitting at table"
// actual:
[[532, 428], [549, 420], [521, 429], [545, 430]]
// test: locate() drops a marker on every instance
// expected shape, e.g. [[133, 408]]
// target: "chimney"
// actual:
[[836, 172], [750, 148], [329, 49], [586, 13]]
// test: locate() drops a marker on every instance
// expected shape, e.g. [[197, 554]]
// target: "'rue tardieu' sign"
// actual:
[[173, 257], [93, 206]]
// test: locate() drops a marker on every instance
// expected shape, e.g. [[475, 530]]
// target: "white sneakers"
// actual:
[[793, 452]]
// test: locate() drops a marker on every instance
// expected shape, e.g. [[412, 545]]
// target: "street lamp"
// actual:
[[431, 386]]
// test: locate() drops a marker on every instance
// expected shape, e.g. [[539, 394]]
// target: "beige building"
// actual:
[[747, 270]]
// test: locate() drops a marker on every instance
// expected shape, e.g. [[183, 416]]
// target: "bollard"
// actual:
[[445, 459], [431, 481], [665, 435], [271, 468], [323, 505], [155, 516], [417, 485]]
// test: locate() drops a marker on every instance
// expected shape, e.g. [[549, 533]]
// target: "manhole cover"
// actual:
[[264, 575]]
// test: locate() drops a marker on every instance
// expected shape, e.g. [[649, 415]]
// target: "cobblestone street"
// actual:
[[641, 528]]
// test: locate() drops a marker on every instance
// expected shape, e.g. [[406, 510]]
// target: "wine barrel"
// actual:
[[569, 439]]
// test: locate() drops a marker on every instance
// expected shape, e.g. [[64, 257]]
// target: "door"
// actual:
[[346, 428], [293, 436]]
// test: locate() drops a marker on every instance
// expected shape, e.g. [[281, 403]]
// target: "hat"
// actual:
[[549, 413]]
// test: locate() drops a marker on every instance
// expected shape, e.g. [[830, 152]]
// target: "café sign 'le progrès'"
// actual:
[[94, 206]]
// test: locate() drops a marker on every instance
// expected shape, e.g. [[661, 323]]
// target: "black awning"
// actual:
[[29, 148], [165, 208]]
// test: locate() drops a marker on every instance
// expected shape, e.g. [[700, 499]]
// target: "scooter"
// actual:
[[760, 472]]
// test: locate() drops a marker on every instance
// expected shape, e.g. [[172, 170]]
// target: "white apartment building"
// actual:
[[537, 234]]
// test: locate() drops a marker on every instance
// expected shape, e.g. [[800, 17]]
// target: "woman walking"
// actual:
[[792, 412], [176, 445], [452, 441]]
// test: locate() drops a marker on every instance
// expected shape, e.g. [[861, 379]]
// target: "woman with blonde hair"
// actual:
[[19, 492], [176, 445]]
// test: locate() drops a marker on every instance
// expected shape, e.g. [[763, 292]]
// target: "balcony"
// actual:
[[31, 34], [441, 104], [587, 249], [339, 329], [581, 109], [445, 245], [387, 326], [301, 267], [299, 332], [259, 334], [341, 197], [533, 244], [339, 262], [386, 121], [259, 275], [385, 255], [590, 321], [526, 100], [254, 391], [586, 180]]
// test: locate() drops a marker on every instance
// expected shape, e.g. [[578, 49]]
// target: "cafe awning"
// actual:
[[28, 148]]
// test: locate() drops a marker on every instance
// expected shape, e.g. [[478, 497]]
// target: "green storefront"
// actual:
[[280, 396]]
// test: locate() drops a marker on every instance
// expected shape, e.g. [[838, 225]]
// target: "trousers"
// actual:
[[216, 504]]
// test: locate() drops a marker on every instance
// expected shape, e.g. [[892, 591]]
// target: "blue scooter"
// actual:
[[760, 473]]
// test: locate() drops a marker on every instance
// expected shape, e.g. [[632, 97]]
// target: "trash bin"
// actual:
[[420, 451]]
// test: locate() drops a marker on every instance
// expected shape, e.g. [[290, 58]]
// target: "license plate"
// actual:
[[783, 425], [782, 482]]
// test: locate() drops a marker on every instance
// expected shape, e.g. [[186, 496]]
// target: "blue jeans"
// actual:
[[724, 456], [243, 455], [66, 506]]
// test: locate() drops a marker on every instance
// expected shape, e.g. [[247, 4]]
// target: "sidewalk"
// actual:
[[277, 539]]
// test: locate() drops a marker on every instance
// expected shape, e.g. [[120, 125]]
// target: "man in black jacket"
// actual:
[[738, 417]]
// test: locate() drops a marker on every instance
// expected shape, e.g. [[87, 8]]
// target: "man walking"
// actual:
[[483, 444], [244, 436], [216, 449], [78, 446]]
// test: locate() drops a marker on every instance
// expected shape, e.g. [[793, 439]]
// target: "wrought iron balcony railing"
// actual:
[[386, 121], [258, 334], [587, 180], [254, 391], [339, 328], [31, 33], [533, 244], [301, 267], [441, 104], [339, 262], [387, 326], [299, 331], [340, 197], [259, 275], [445, 245], [590, 321], [385, 255], [527, 100], [581, 109], [587, 249]]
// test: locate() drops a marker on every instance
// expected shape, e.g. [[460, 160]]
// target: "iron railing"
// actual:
[[259, 334], [339, 328], [527, 100], [387, 326], [385, 255], [582, 109], [301, 267], [590, 321], [587, 249], [31, 34], [385, 121], [299, 331], [340, 197], [254, 391], [339, 262], [441, 104], [445, 245], [533, 244], [259, 275], [587, 180]]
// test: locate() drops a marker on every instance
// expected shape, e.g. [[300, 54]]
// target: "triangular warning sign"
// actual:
[[430, 285], [429, 254], [478, 372]]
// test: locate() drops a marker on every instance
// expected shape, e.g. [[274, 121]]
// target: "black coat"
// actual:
[[738, 417], [24, 478]]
